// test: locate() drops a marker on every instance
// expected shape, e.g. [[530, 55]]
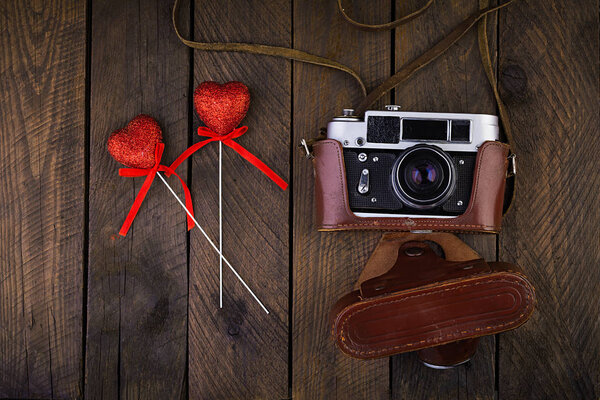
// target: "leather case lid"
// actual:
[[425, 300], [484, 213], [386, 253]]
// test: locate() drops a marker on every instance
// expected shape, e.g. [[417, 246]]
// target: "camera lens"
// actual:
[[423, 177]]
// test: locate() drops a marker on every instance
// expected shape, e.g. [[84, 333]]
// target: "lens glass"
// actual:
[[423, 176]]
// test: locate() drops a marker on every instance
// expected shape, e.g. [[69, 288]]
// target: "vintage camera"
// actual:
[[410, 164]]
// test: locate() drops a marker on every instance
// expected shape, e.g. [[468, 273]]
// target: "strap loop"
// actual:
[[387, 26]]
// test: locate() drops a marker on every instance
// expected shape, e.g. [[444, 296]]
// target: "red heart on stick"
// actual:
[[134, 145], [222, 107]]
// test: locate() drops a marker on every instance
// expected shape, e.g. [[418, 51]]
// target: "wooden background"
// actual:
[[85, 313]]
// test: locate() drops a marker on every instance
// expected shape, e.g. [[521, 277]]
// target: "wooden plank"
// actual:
[[42, 198], [239, 351], [549, 76], [42, 169], [455, 82], [137, 285], [413, 380], [326, 265]]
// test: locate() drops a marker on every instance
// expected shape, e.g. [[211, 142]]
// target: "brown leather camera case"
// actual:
[[409, 298], [484, 213]]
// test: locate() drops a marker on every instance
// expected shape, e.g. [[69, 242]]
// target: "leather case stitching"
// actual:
[[437, 339]]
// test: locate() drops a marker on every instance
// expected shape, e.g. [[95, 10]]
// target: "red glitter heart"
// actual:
[[222, 107], [134, 145]]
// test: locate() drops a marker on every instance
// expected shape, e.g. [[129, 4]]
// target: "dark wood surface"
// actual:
[[85, 313], [553, 230]]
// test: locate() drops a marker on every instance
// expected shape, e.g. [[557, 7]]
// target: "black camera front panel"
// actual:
[[381, 196]]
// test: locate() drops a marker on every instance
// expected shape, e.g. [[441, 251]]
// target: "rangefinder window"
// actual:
[[424, 129], [383, 129], [460, 131]]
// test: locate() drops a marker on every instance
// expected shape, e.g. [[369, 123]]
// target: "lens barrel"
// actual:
[[423, 177]]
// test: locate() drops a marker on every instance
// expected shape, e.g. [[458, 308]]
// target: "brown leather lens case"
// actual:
[[410, 298], [484, 213]]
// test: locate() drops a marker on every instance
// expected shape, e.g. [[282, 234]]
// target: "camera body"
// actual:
[[410, 164]]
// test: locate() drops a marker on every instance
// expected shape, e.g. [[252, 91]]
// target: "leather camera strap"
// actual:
[[266, 50], [384, 27], [403, 74], [486, 61]]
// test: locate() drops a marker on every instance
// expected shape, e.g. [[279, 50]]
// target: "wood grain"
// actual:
[[549, 76], [455, 82], [240, 352], [326, 265], [137, 285], [42, 169]]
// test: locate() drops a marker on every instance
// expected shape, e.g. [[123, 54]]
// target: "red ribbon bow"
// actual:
[[150, 173], [228, 141]]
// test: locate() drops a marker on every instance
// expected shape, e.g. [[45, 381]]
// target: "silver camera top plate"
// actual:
[[351, 131]]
